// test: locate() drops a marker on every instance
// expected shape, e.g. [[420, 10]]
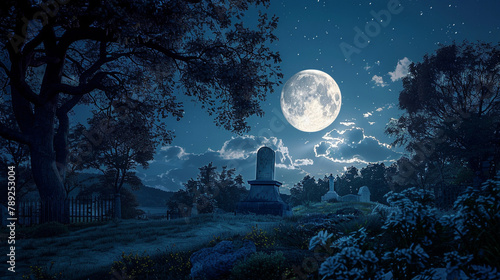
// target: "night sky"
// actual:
[[311, 34]]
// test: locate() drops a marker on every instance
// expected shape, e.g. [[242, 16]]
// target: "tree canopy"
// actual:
[[58, 54], [452, 109]]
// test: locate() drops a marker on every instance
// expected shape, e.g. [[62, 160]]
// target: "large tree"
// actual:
[[452, 110], [58, 54]]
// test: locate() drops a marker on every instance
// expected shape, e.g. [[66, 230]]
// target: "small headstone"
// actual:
[[350, 198], [364, 194], [265, 164]]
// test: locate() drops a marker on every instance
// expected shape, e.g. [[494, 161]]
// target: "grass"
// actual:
[[88, 251], [327, 207]]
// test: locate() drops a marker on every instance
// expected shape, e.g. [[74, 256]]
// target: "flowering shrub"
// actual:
[[477, 223], [352, 259], [134, 265], [417, 244], [260, 237]]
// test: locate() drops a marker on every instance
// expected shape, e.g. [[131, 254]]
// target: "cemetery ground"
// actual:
[[409, 239], [162, 248]]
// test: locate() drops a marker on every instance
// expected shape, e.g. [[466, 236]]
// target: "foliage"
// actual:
[[308, 190], [477, 222], [452, 111], [209, 191], [116, 142], [416, 242], [125, 53], [39, 273], [178, 265], [350, 260], [260, 237], [134, 265], [267, 266]]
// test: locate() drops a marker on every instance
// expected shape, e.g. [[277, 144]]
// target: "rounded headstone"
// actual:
[[265, 164]]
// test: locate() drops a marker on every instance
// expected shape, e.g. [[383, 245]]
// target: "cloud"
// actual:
[[379, 109], [367, 114], [347, 123], [401, 70], [304, 161], [371, 123], [353, 146], [379, 81], [173, 166]]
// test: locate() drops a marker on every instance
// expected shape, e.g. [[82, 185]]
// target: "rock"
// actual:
[[217, 262]]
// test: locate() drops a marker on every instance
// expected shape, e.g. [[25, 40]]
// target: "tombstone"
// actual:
[[364, 194], [264, 196], [331, 194], [350, 198]]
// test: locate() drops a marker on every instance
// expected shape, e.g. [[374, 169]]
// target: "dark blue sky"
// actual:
[[311, 35]]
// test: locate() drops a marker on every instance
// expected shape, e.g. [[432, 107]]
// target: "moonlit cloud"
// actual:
[[379, 109], [379, 81], [304, 161], [352, 146], [401, 70], [348, 123], [174, 166], [367, 114]]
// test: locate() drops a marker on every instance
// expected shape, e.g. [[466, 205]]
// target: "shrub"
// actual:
[[134, 265], [265, 266], [260, 238], [352, 258], [38, 273], [477, 222], [178, 265]]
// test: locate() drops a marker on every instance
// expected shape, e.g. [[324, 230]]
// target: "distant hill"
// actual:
[[151, 197]]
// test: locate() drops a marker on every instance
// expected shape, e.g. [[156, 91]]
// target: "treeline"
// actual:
[[376, 176], [210, 191]]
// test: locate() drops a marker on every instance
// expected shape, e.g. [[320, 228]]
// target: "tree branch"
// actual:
[[11, 134], [168, 52]]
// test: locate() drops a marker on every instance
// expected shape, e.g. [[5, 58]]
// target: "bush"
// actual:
[[133, 265], [416, 244], [260, 237], [49, 229], [260, 265], [477, 224]]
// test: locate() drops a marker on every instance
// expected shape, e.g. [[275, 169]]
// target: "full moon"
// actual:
[[310, 100]]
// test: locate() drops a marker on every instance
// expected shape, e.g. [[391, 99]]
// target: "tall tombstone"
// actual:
[[265, 164], [264, 197], [331, 183]]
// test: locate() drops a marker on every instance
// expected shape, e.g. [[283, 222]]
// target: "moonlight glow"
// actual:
[[310, 100]]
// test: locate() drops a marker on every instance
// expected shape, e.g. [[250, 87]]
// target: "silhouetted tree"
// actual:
[[210, 190], [116, 142], [452, 110], [93, 51], [308, 190], [349, 182]]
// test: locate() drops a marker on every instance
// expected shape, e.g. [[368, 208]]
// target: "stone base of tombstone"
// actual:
[[264, 199]]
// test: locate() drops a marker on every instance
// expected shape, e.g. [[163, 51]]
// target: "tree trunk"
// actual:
[[45, 172], [118, 206]]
